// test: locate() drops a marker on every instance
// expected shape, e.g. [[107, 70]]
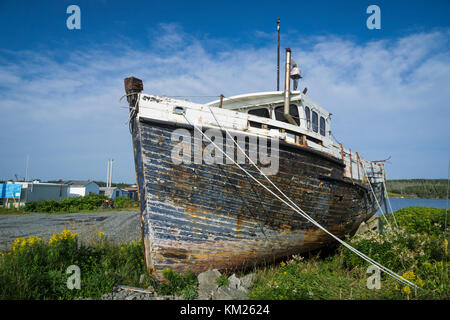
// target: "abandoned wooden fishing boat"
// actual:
[[200, 209]]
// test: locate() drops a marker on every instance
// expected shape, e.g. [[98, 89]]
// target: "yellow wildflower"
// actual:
[[409, 275], [420, 282], [20, 243], [282, 264], [66, 234], [101, 234], [407, 290], [33, 239]]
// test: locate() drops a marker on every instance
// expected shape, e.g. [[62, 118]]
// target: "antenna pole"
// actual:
[[26, 171], [110, 173], [278, 54], [107, 175]]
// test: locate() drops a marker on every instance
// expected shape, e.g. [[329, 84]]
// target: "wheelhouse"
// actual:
[[312, 122]]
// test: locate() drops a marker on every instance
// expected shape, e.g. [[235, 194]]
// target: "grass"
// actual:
[[418, 251], [36, 269]]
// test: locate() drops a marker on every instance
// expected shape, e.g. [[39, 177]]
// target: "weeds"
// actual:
[[418, 251], [179, 284], [222, 281], [34, 269], [92, 202]]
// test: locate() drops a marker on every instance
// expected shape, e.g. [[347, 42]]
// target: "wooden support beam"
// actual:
[[343, 158], [358, 162], [351, 165]]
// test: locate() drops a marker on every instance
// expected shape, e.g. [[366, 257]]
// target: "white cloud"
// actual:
[[387, 96]]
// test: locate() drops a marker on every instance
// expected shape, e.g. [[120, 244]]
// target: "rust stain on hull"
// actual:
[[198, 216]]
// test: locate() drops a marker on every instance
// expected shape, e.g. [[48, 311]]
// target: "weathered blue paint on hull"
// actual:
[[199, 216]]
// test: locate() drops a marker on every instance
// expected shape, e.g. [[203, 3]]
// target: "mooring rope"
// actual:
[[389, 202], [298, 209], [375, 196]]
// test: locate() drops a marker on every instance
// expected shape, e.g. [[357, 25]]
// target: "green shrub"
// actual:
[[222, 281], [178, 283], [124, 202], [418, 252], [421, 220], [34, 269], [72, 204]]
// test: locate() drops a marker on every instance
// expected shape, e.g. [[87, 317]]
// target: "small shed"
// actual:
[[131, 193], [81, 188], [111, 192]]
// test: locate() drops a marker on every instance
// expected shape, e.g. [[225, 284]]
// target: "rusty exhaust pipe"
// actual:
[[287, 88]]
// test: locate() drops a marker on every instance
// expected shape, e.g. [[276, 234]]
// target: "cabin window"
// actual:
[[261, 112], [315, 121], [308, 117], [322, 126], [293, 111]]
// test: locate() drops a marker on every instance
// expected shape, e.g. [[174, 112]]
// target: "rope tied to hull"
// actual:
[[294, 207]]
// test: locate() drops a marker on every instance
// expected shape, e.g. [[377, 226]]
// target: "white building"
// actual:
[[81, 188]]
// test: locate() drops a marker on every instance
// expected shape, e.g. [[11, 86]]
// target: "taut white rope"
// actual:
[[299, 210]]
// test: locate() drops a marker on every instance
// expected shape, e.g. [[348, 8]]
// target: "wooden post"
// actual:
[[351, 165], [357, 163], [278, 55], [133, 85], [343, 159]]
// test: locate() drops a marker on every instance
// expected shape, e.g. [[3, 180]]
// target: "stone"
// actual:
[[247, 280], [372, 225], [227, 293], [234, 282], [207, 284]]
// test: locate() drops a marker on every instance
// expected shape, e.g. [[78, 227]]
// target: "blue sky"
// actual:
[[388, 89]]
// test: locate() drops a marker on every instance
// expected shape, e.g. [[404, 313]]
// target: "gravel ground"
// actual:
[[130, 293], [120, 226]]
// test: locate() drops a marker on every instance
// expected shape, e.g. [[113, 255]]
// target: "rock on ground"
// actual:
[[131, 293], [237, 288]]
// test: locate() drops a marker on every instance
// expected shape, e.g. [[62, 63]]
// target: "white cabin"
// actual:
[[262, 113]]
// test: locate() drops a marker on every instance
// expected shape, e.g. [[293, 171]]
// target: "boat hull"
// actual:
[[201, 216]]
